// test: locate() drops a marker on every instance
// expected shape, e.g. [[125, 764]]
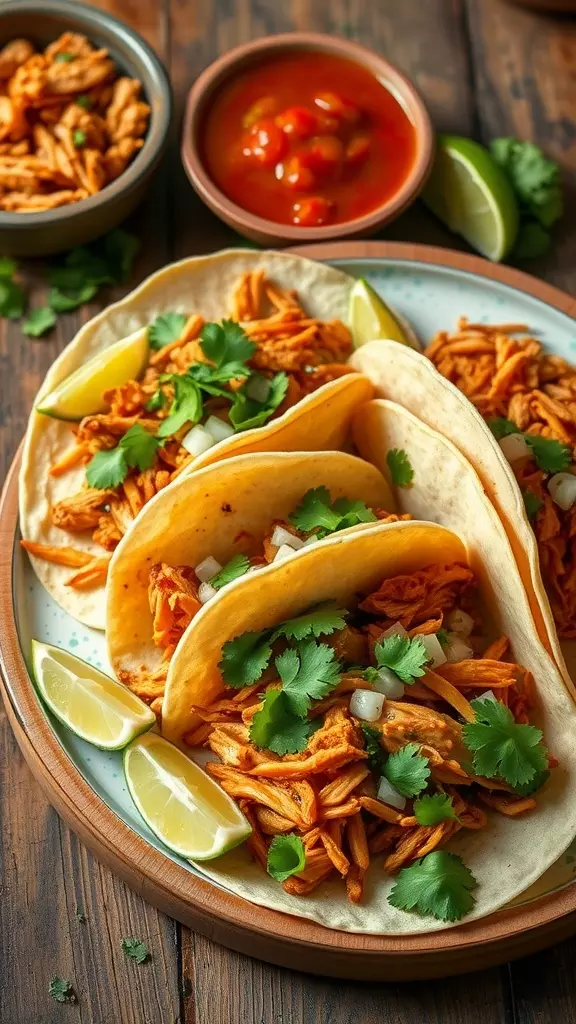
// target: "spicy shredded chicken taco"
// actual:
[[211, 357], [391, 726]]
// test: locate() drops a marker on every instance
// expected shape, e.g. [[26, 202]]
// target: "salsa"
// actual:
[[307, 139]]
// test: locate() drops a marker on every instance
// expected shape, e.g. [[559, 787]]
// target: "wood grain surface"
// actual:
[[485, 68]]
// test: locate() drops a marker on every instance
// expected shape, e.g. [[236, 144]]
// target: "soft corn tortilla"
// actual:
[[508, 855], [412, 380], [203, 284], [202, 514]]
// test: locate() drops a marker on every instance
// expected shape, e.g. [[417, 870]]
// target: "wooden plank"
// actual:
[[544, 986]]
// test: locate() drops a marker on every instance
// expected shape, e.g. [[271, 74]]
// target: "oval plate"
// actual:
[[432, 287]]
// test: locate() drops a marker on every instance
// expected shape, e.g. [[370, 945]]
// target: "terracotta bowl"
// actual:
[[41, 21], [268, 232]]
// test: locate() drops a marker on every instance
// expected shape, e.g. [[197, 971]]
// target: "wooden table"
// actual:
[[485, 69]]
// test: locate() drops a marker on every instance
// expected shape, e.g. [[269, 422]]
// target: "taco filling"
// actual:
[[528, 399], [383, 728], [203, 382]]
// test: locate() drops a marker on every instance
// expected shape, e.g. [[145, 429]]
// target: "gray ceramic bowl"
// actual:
[[41, 21]]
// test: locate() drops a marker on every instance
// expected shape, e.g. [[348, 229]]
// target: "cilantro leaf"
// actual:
[[531, 503], [8, 267], [157, 401], [527, 788], [532, 241], [400, 469], [550, 455], [38, 322], [407, 770], [79, 138], [136, 950], [187, 406], [502, 748], [431, 810], [61, 990], [406, 656], [13, 299], [80, 916], [377, 756], [316, 513], [246, 412], [237, 566], [119, 249], [67, 299], [227, 344], [84, 101], [139, 447], [286, 856], [64, 58], [166, 328], [353, 513], [534, 178], [308, 672], [443, 637], [276, 727], [438, 884], [502, 427], [245, 658], [107, 469], [320, 621]]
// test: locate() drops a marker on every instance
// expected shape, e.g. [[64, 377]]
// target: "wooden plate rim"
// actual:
[[135, 859]]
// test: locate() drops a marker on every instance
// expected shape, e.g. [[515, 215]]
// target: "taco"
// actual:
[[214, 526], [273, 377], [516, 429], [372, 696]]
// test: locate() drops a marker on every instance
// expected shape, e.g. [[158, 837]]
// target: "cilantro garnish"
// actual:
[[227, 345], [308, 672], [13, 300], [407, 770], [166, 328], [443, 637], [536, 183], [79, 138], [157, 401], [276, 727], [502, 748], [64, 58], [377, 756], [245, 658], [137, 450], [186, 407], [527, 788], [502, 427], [38, 322], [319, 621], [80, 916], [87, 268], [550, 455], [431, 810], [317, 514], [8, 267], [246, 412], [236, 567], [136, 950], [286, 856], [438, 884], [531, 503], [400, 469], [61, 990], [406, 656], [67, 299], [84, 101]]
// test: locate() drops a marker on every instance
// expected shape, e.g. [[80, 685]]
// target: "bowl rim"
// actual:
[[395, 80], [82, 16]]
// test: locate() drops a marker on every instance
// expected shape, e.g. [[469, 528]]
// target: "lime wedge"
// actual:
[[95, 707], [182, 805], [370, 318], [472, 196], [81, 393]]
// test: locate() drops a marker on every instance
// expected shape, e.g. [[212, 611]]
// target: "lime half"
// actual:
[[472, 196], [182, 805], [371, 319], [95, 707], [81, 393]]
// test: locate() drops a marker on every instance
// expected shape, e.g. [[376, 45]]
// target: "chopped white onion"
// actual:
[[397, 628], [488, 695], [281, 536], [284, 551], [514, 447], [434, 649], [206, 569], [206, 593], [457, 649], [311, 540], [389, 795], [562, 487], [257, 388], [389, 684], [366, 705], [218, 429], [460, 622], [197, 440]]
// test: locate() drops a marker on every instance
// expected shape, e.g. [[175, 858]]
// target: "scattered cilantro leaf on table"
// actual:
[[8, 267], [119, 248], [537, 186], [439, 885], [39, 321], [531, 503], [247, 413], [278, 728], [237, 566], [166, 328], [61, 990], [316, 513], [405, 656], [377, 756], [309, 671], [502, 748], [80, 916], [532, 241], [319, 621], [286, 856], [432, 809], [245, 658], [13, 300], [67, 299], [407, 770], [135, 950], [136, 449]]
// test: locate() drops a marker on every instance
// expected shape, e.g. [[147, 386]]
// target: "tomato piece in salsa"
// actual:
[[307, 139]]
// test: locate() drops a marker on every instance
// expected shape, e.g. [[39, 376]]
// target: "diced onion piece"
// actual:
[[197, 440], [311, 540], [434, 649], [284, 551], [389, 684], [366, 705], [562, 487], [396, 629], [488, 695], [281, 536], [206, 593], [457, 649], [258, 388], [460, 622], [206, 569], [389, 795], [218, 429], [514, 447]]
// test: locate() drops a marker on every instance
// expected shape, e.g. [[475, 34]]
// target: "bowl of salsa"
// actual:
[[304, 137]]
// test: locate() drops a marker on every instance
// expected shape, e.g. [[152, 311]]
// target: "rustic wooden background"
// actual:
[[485, 69]]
